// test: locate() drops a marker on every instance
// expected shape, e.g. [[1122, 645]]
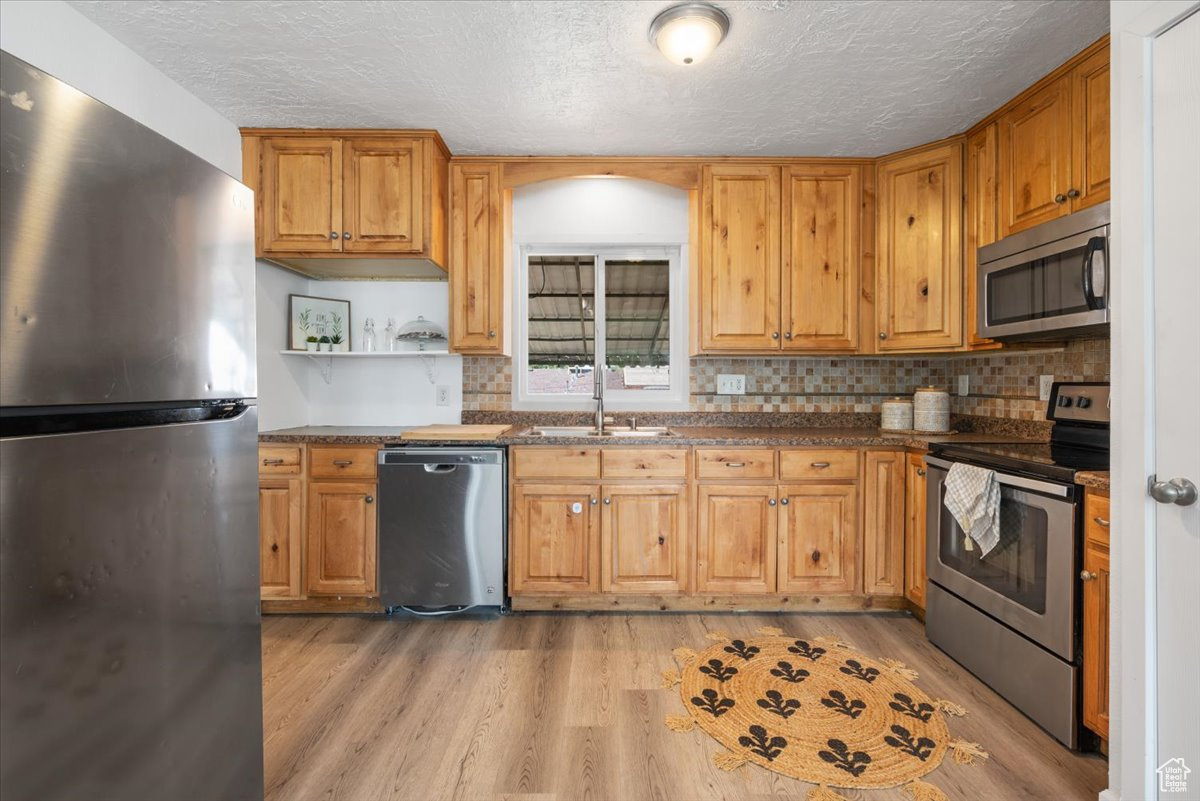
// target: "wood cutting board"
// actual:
[[472, 432]]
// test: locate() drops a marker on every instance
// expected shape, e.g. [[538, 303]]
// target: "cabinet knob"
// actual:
[[345, 234], [784, 501], [1060, 198], [607, 501], [788, 335], [883, 335], [771, 502], [920, 471], [774, 335], [1072, 193], [333, 235], [369, 499], [593, 500], [1086, 575], [492, 334]]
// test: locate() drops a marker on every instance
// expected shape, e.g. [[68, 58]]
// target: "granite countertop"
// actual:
[[684, 435], [1093, 479]]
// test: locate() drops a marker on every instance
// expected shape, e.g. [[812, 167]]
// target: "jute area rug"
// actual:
[[818, 711]]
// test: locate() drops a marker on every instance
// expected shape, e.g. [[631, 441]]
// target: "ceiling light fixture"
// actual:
[[689, 32]]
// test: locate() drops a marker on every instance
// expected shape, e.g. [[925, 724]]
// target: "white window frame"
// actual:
[[674, 398]]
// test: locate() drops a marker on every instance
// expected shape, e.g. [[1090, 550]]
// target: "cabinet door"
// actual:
[[820, 257], [1035, 159], [981, 221], [644, 539], [883, 523], [919, 297], [554, 545], [818, 538], [341, 538], [914, 530], [384, 196], [1096, 587], [739, 259], [280, 515], [477, 276], [736, 539], [301, 201], [1090, 171]]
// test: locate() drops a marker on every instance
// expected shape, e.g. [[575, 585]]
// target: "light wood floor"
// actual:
[[558, 706]]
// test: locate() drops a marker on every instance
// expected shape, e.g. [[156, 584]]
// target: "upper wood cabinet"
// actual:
[[883, 523], [820, 257], [1054, 146], [479, 277], [981, 221], [918, 295], [333, 203], [739, 275]]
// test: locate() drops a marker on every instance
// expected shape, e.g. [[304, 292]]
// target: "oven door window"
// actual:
[[1016, 567], [1047, 287]]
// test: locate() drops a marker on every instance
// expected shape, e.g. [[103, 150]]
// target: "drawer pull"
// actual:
[[272, 461], [816, 556], [735, 464], [343, 462], [1100, 521], [819, 465]]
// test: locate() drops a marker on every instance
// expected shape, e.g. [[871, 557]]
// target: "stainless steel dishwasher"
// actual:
[[442, 521]]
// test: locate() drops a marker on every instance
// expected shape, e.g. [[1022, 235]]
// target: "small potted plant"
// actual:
[[312, 343], [336, 340], [324, 344]]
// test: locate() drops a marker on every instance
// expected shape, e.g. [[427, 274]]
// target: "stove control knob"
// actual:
[[1083, 402], [1064, 401]]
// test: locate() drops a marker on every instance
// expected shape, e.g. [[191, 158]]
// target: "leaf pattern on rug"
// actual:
[[840, 756], [838, 702], [785, 671], [906, 705], [759, 743], [908, 743], [855, 668], [740, 648], [711, 704], [776, 704], [719, 670], [809, 652]]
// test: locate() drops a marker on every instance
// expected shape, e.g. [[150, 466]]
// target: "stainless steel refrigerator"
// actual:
[[130, 662]]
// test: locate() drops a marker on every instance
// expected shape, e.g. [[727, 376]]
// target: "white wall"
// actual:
[[57, 39], [282, 380]]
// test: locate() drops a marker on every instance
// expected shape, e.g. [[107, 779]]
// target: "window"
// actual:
[[616, 310]]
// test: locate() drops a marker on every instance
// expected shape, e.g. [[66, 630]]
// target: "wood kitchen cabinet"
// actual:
[[554, 544], [1096, 612], [1054, 145], [341, 536], [735, 540], [818, 538], [280, 520], [883, 523], [981, 222], [919, 301], [331, 203], [914, 530], [644, 538], [479, 275]]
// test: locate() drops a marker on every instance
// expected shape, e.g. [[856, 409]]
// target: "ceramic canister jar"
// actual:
[[897, 414], [931, 409]]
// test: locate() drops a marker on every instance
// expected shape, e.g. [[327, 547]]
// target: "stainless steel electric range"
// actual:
[[1011, 617]]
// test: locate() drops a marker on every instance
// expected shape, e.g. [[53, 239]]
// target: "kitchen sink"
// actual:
[[618, 432]]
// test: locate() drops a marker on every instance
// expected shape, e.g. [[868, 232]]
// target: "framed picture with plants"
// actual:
[[318, 324]]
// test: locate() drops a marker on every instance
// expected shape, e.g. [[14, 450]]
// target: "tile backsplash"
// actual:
[[1002, 384]]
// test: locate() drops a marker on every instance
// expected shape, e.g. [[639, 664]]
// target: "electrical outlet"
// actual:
[[443, 395], [1044, 384], [964, 385], [731, 385]]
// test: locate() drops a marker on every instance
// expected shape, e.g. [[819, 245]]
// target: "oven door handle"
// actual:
[[1020, 482]]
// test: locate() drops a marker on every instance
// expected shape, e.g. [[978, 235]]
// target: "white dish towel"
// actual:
[[973, 497]]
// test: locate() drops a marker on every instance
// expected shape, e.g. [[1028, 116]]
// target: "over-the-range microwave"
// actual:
[[1049, 282]]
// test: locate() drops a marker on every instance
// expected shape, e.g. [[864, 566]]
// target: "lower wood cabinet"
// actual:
[[883, 523], [644, 539], [280, 536], [735, 542], [554, 541], [818, 538], [1096, 587], [341, 537], [914, 530]]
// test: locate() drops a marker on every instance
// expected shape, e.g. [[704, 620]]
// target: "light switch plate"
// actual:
[[443, 395], [731, 384], [1044, 384], [964, 385]]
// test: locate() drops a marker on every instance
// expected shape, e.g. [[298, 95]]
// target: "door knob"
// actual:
[[1178, 491]]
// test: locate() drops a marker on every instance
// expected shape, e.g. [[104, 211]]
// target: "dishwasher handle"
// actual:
[[440, 468]]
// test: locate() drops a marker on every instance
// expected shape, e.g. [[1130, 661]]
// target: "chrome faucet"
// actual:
[[598, 396]]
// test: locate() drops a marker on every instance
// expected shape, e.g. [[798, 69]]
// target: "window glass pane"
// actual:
[[562, 325], [637, 324]]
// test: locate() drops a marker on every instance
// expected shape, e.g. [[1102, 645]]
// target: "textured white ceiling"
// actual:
[[792, 78]]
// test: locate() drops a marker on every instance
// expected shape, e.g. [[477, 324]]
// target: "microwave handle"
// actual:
[[1095, 245]]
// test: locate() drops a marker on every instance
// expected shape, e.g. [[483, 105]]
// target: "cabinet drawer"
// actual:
[[334, 461], [818, 464], [556, 463], [279, 460], [1096, 517], [726, 463], [644, 463]]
